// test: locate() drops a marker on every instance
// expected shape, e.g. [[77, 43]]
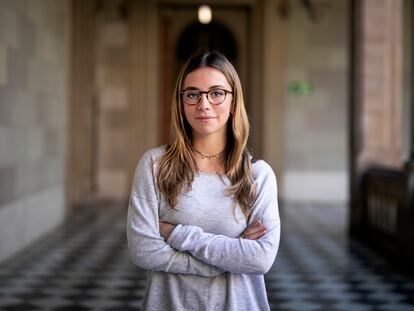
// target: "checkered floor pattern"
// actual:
[[84, 265]]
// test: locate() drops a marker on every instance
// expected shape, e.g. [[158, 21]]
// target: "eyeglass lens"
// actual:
[[214, 96]]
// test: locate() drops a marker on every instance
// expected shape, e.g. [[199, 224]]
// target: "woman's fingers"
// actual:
[[255, 231], [165, 229], [255, 227], [256, 235]]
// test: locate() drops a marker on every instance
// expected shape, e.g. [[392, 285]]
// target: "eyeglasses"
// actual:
[[214, 96]]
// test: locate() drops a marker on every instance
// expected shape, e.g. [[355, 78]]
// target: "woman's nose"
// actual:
[[203, 103]]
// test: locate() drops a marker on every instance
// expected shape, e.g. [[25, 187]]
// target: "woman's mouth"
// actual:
[[204, 119]]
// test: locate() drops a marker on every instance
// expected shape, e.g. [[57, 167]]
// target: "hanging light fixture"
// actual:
[[204, 14]]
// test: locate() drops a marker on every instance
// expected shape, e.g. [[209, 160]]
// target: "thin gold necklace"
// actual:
[[204, 156]]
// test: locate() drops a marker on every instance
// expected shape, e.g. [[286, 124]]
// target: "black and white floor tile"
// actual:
[[84, 265]]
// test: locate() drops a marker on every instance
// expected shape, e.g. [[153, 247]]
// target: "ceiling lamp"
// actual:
[[204, 14]]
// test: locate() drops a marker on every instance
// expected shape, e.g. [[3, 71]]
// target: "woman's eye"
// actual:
[[217, 93], [192, 95]]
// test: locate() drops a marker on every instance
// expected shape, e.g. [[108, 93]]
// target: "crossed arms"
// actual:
[[158, 246]]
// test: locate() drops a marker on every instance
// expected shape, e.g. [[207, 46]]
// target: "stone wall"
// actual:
[[33, 118], [316, 101], [112, 82]]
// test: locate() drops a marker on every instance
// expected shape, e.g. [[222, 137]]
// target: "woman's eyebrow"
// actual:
[[217, 87], [210, 88]]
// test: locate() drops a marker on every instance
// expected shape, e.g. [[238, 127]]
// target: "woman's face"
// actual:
[[205, 118]]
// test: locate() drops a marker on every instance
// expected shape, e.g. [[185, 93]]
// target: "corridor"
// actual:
[[85, 91], [84, 265]]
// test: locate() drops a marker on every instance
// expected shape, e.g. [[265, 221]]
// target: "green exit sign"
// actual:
[[301, 88]]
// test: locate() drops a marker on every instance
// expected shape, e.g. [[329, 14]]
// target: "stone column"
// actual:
[[144, 118], [379, 53], [272, 79], [81, 98]]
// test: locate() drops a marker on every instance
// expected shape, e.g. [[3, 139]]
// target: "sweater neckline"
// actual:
[[211, 174]]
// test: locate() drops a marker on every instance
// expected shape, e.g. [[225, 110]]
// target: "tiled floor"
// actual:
[[84, 265]]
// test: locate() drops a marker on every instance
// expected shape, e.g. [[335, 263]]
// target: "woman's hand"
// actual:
[[165, 229], [255, 231]]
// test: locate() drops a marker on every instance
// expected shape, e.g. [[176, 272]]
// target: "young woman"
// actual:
[[203, 215]]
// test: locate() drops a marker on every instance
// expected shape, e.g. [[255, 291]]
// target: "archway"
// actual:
[[214, 35]]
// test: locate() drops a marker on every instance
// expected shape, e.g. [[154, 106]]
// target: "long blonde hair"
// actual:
[[177, 166]]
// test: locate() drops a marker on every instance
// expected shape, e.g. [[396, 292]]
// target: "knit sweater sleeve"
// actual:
[[238, 255], [148, 249]]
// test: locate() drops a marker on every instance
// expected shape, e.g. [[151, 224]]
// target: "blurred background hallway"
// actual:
[[85, 87]]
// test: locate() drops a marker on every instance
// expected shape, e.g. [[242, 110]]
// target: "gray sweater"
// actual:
[[204, 264]]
